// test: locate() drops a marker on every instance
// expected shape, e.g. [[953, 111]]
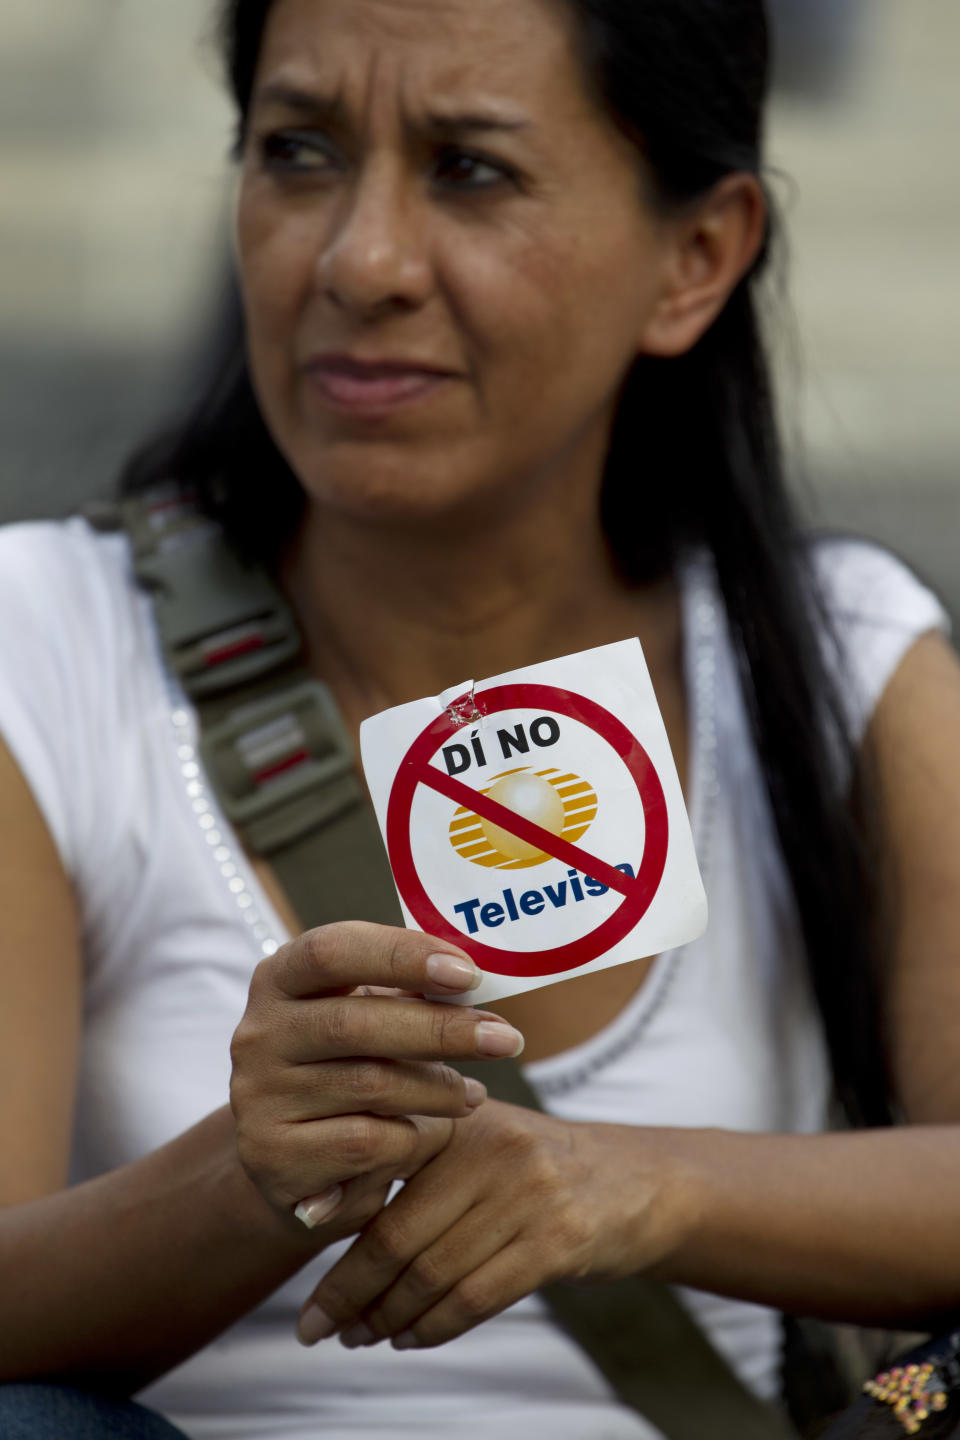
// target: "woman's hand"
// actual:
[[339, 1085], [515, 1201]]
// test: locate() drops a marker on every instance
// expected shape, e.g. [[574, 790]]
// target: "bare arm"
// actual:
[[115, 1281], [121, 1278], [859, 1227], [863, 1227]]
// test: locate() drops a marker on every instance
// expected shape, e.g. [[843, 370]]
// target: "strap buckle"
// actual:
[[221, 623], [282, 766]]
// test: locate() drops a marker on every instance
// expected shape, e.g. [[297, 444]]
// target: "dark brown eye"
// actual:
[[464, 170], [293, 150]]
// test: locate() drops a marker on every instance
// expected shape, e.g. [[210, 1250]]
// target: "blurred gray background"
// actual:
[[114, 221]]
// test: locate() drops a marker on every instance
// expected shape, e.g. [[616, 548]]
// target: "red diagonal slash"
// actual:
[[525, 829]]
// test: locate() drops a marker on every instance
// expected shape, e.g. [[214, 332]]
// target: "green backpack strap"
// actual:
[[282, 766], [272, 742]]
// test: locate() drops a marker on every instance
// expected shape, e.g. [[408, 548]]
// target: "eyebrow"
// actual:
[[448, 124], [291, 98], [440, 122]]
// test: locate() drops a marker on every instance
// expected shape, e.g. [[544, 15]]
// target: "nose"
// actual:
[[374, 258]]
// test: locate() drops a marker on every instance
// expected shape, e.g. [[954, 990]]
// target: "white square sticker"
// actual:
[[536, 820]]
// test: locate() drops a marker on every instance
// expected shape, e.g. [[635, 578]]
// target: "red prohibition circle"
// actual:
[[550, 700]]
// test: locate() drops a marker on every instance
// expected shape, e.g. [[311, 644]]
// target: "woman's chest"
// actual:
[[719, 1033], [562, 1016]]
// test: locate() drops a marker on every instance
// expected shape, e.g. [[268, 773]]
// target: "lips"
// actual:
[[373, 386]]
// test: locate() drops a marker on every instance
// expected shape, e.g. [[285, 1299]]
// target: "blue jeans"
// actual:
[[58, 1412]]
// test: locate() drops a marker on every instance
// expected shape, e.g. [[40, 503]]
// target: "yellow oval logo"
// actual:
[[553, 799]]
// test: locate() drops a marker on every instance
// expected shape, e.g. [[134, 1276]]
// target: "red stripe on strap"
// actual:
[[299, 757], [232, 651]]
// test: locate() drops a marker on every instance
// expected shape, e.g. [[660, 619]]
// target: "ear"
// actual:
[[709, 249]]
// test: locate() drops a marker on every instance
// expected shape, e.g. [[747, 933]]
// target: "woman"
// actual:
[[510, 402]]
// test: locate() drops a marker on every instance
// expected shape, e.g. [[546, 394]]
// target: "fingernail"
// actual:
[[453, 972], [406, 1341], [475, 1093], [314, 1325], [358, 1335], [499, 1041], [318, 1208]]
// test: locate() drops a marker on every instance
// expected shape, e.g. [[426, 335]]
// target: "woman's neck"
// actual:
[[390, 613]]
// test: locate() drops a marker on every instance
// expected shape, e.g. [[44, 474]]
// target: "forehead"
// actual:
[[427, 49]]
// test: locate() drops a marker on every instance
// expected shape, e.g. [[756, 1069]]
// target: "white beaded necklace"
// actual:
[[225, 850]]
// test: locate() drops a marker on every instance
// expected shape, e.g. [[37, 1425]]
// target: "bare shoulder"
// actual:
[[40, 996], [914, 745]]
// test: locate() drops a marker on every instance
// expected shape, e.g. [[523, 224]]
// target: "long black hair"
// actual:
[[694, 461]]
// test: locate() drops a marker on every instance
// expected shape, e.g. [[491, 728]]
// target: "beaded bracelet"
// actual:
[[917, 1391]]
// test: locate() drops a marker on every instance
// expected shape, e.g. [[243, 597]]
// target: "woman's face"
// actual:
[[447, 262]]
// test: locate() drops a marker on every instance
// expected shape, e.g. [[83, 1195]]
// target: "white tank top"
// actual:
[[723, 1033]]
